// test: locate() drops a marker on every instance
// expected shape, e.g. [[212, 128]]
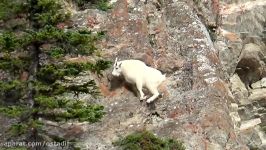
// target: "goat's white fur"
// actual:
[[138, 73]]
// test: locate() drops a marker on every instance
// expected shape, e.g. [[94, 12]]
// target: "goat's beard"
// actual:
[[116, 74]]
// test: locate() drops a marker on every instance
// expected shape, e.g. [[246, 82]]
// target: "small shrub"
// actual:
[[99, 4], [145, 140], [103, 5]]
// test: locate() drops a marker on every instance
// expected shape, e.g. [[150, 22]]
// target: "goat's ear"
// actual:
[[120, 64]]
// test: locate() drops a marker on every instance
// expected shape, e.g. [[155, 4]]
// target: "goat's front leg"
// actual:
[[139, 87]]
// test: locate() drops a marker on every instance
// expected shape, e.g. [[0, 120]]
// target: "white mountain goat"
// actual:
[[138, 73]]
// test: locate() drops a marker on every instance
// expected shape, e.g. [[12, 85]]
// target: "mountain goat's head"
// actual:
[[117, 68]]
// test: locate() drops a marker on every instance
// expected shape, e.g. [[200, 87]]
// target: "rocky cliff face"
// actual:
[[214, 55], [208, 83], [242, 53], [168, 35]]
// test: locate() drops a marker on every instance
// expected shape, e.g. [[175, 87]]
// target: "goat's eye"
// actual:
[[116, 68]]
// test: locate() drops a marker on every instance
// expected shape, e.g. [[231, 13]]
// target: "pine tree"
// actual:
[[33, 46]]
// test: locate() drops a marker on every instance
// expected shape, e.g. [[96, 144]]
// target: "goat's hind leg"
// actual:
[[139, 87], [154, 91]]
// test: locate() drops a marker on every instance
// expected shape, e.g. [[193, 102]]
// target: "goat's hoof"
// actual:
[[149, 101], [142, 98]]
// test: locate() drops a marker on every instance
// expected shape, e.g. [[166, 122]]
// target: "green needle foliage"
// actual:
[[10, 9], [11, 91], [48, 12], [100, 4], [18, 129], [145, 140], [12, 111], [33, 89], [14, 65], [8, 41], [103, 5]]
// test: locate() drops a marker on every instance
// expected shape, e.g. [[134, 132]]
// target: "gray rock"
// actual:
[[173, 39], [251, 137], [257, 94], [245, 58], [238, 89], [259, 84]]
